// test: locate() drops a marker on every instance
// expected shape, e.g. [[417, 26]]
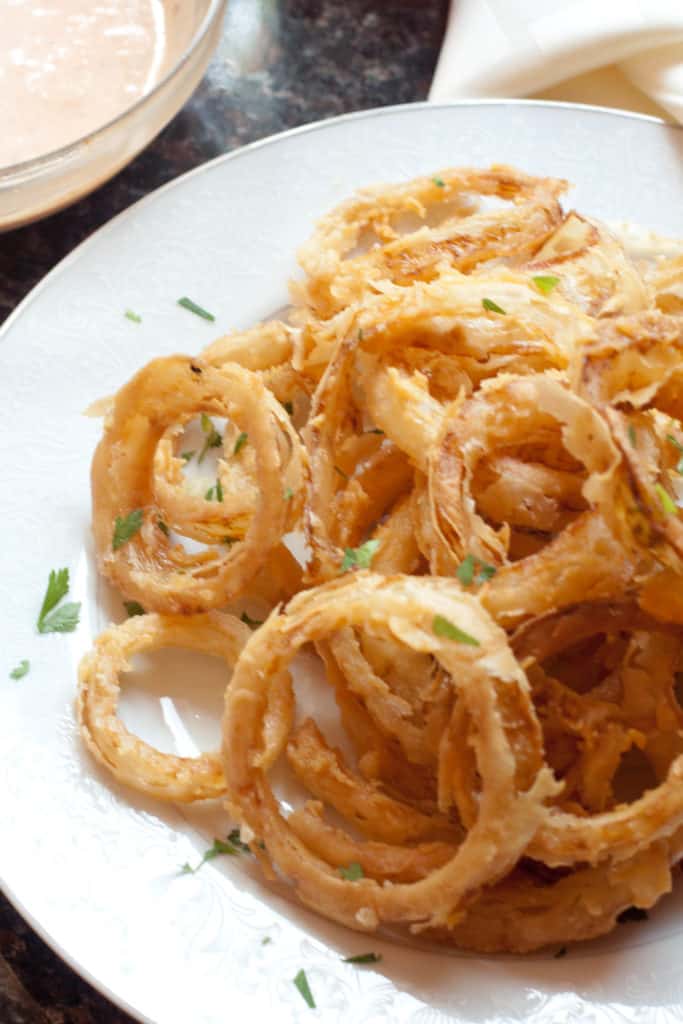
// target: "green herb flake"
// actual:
[[266, 940], [188, 455], [342, 474], [215, 493], [632, 914], [163, 527], [235, 838], [546, 283], [240, 443], [442, 627], [288, 494], [375, 430], [679, 447], [301, 982], [486, 572], [220, 847], [360, 557], [666, 500], [130, 315], [133, 608], [57, 588], [126, 527], [363, 958], [21, 670], [439, 182], [194, 308], [465, 571], [213, 438], [632, 436], [252, 623], [492, 306], [52, 619], [353, 873]]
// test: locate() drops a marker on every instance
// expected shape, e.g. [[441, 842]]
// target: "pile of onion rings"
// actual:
[[474, 417]]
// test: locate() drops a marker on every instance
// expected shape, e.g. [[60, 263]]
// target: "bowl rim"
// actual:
[[24, 168]]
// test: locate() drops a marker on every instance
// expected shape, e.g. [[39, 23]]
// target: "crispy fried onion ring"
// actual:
[[638, 702], [444, 328], [591, 268], [523, 913], [485, 678], [634, 372], [134, 762], [467, 236], [585, 553], [149, 567]]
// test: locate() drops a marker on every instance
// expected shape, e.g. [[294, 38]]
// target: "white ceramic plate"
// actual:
[[93, 868]]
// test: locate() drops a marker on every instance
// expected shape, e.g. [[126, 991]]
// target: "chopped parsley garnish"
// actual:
[[442, 627], [240, 443], [288, 407], [363, 958], [194, 308], [666, 500], [126, 527], [288, 494], [266, 940], [219, 847], [439, 182], [492, 306], [163, 527], [188, 455], [360, 557], [133, 608], [130, 315], [353, 872], [252, 623], [471, 568], [21, 670], [632, 436], [546, 283], [213, 438], [375, 430], [234, 837], [301, 982], [562, 951], [215, 493], [679, 447], [632, 914], [52, 619]]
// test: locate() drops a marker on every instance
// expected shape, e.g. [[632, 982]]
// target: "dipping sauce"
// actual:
[[67, 67]]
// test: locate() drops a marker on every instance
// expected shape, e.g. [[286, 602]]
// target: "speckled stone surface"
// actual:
[[279, 65]]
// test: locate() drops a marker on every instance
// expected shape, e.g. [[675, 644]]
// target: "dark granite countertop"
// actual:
[[281, 63]]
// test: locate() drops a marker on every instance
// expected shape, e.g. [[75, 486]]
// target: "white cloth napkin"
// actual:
[[523, 47]]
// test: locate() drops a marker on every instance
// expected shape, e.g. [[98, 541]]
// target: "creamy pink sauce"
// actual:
[[69, 66]]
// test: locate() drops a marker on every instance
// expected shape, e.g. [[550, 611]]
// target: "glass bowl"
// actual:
[[38, 187]]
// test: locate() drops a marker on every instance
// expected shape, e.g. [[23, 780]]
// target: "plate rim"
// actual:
[[130, 212]]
